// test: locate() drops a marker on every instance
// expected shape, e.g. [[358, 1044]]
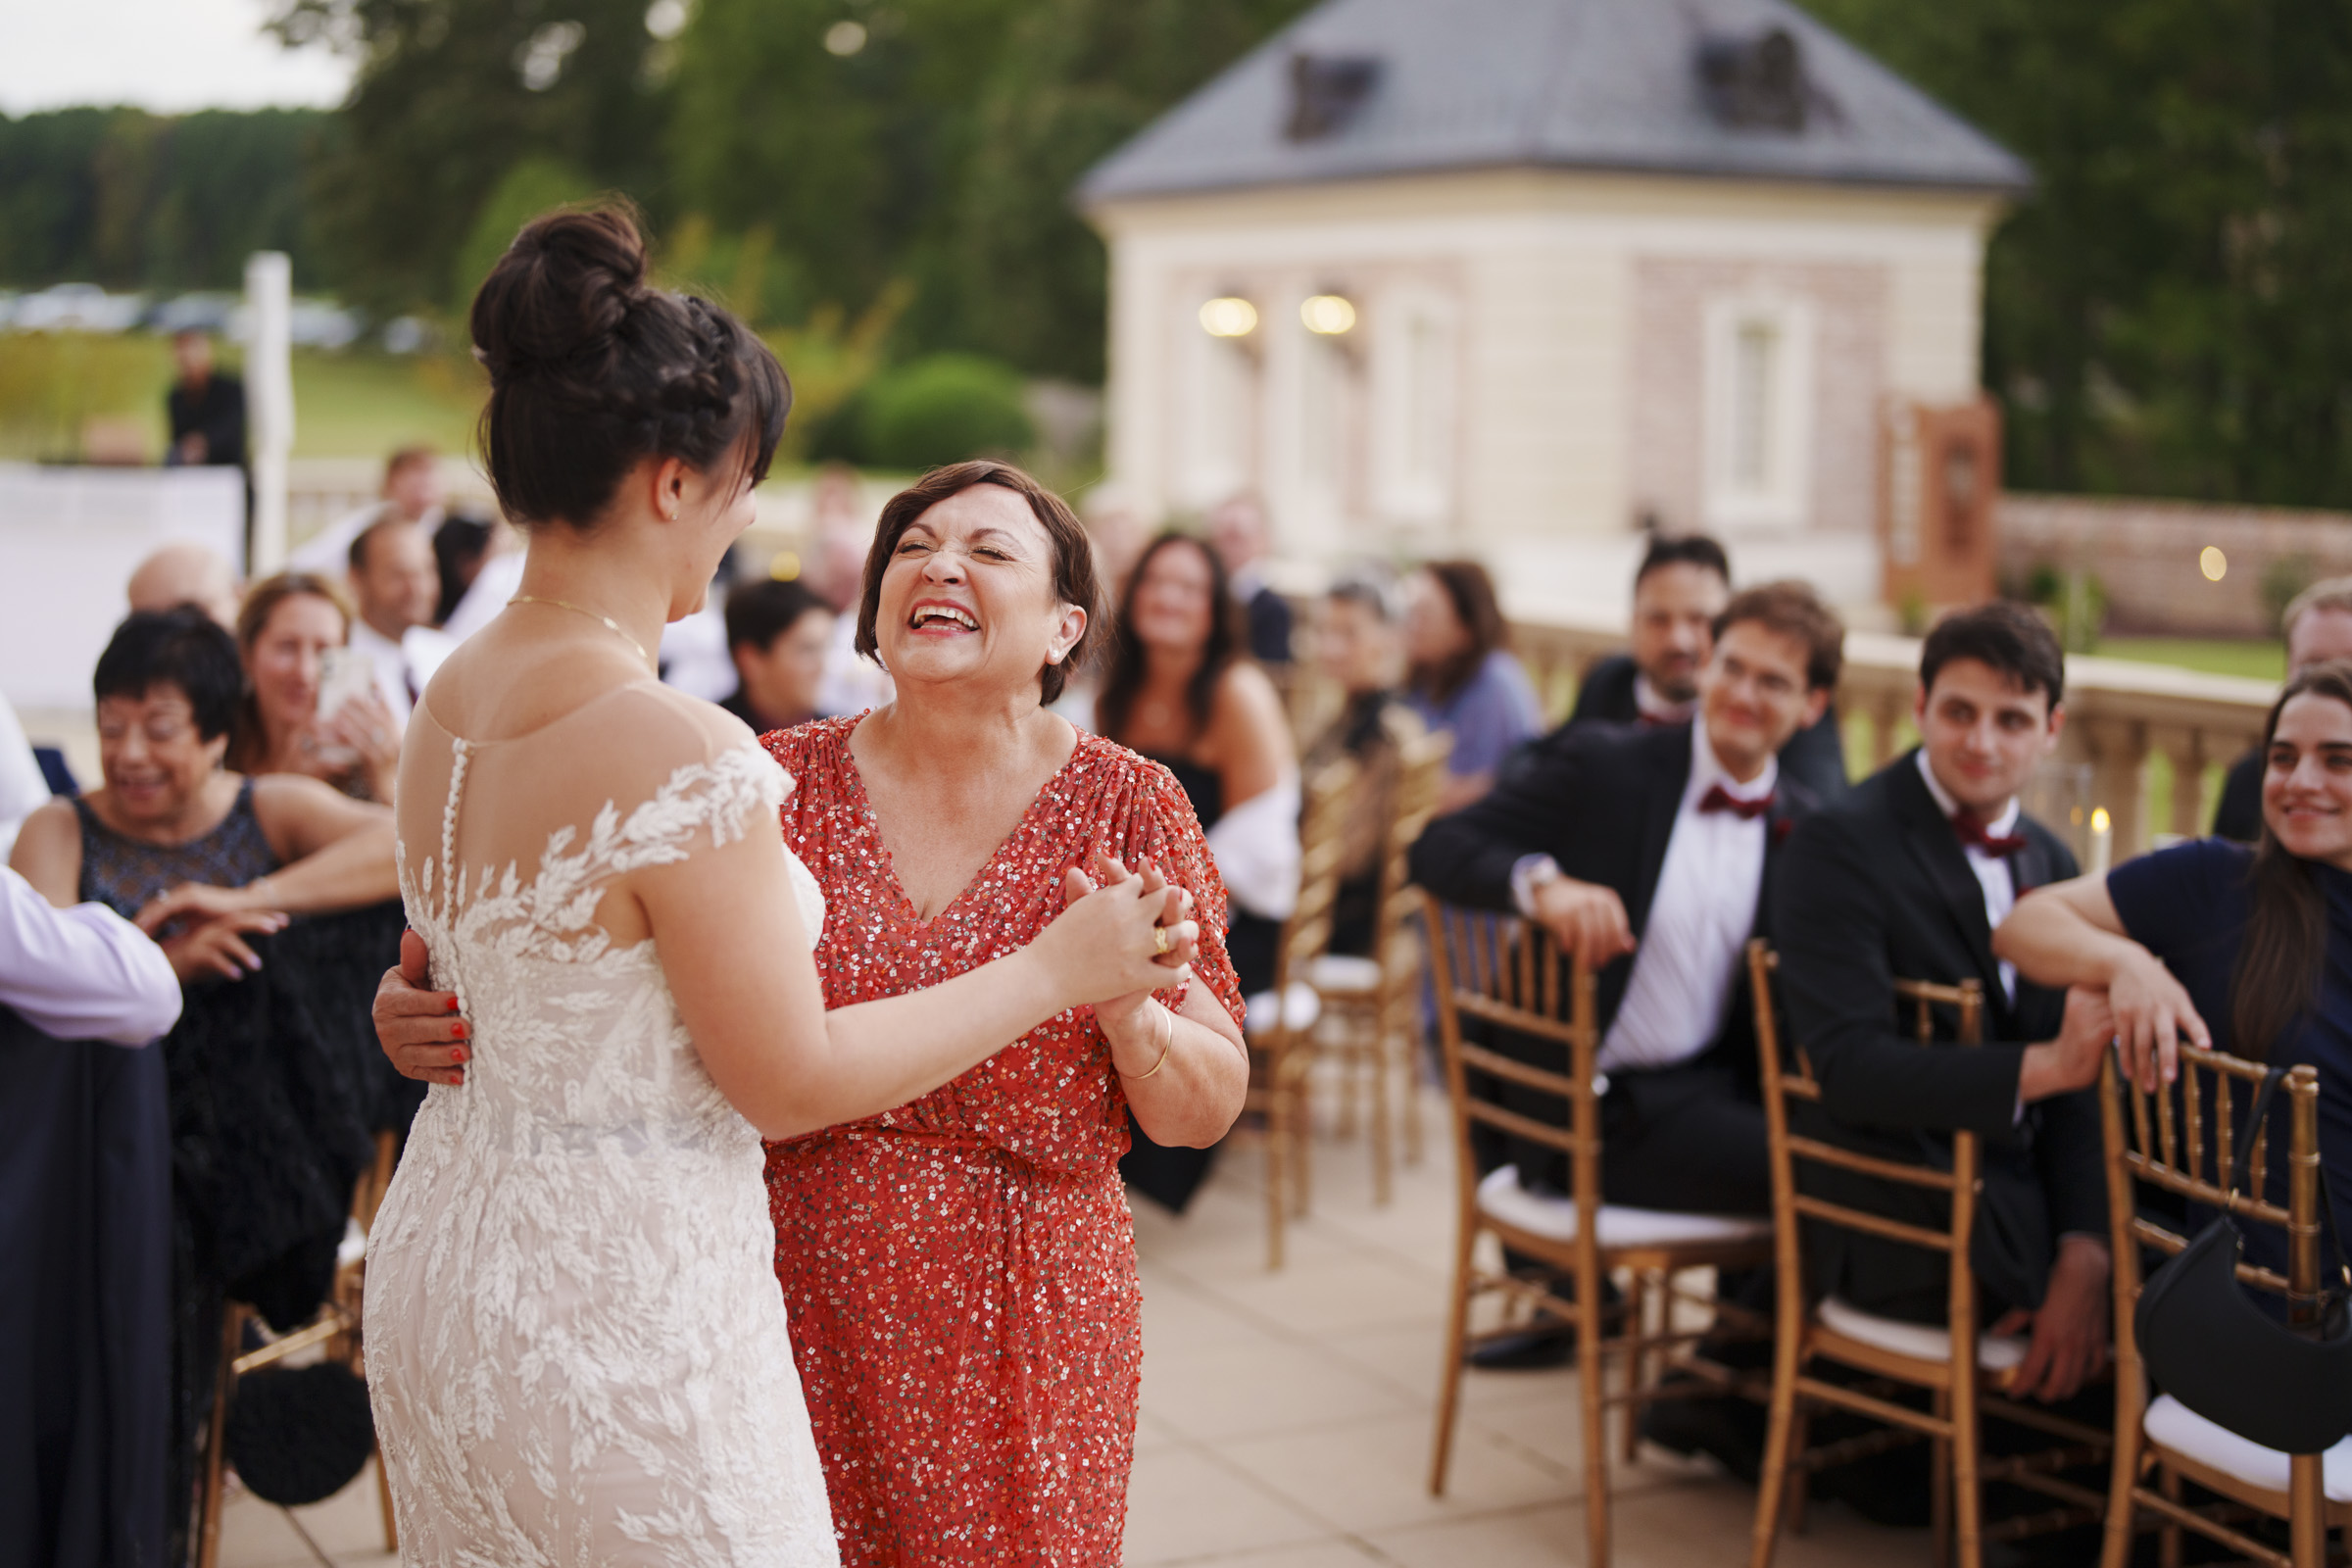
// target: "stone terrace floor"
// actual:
[[1286, 1417]]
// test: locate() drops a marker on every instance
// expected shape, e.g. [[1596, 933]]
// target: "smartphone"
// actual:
[[343, 674]]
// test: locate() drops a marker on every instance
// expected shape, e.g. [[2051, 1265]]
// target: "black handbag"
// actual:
[[2228, 1360]]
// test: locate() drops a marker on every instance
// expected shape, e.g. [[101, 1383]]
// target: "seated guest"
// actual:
[[2247, 949], [291, 624], [1645, 853], [1237, 531], [395, 587], [1357, 646], [1679, 589], [1462, 679], [269, 1120], [779, 634], [1908, 878], [411, 492], [2317, 624], [184, 572], [1178, 689], [85, 1235]]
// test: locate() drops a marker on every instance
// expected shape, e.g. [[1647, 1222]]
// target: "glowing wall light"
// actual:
[[1328, 314], [1229, 317], [2213, 563]]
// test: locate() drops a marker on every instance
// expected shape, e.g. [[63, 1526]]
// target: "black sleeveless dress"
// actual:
[[1166, 1175]]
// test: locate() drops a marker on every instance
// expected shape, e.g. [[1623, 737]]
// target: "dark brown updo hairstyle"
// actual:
[[2280, 956], [593, 369], [1075, 581], [1227, 644]]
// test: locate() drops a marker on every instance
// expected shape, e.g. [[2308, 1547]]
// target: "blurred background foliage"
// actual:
[[875, 183]]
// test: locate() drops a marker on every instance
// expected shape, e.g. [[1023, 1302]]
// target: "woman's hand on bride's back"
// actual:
[[419, 1029], [1101, 946]]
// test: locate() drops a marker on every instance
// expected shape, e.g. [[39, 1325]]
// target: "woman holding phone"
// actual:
[[310, 705]]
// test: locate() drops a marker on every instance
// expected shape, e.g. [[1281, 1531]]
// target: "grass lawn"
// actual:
[[2262, 660], [357, 403]]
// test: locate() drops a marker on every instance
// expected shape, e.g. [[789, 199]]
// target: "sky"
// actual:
[[164, 55]]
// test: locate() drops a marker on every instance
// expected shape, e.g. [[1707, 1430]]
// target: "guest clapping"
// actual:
[[290, 628], [1463, 680]]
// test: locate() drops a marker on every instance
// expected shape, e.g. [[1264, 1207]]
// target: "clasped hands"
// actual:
[[202, 928]]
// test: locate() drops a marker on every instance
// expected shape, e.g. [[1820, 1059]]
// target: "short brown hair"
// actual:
[[1793, 610], [409, 457], [1075, 581], [2004, 636], [2329, 593]]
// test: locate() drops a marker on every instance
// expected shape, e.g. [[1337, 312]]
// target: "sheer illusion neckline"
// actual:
[[863, 804], [424, 710]]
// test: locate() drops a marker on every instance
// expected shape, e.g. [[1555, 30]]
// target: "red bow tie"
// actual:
[[1971, 830], [1719, 799]]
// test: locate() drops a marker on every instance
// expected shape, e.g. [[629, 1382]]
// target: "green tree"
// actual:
[[450, 96]]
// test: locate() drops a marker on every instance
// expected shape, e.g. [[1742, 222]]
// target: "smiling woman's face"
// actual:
[[152, 755], [968, 598], [2307, 780]]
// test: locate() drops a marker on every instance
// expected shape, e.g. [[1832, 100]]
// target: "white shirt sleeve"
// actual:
[[83, 973], [22, 790], [1255, 846]]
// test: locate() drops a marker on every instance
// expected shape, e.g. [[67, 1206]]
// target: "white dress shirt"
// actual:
[[83, 973], [414, 658], [1657, 709], [1700, 918], [1994, 874], [22, 790]]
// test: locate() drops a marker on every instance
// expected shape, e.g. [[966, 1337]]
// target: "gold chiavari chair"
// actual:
[[1509, 974], [1281, 1023], [336, 1328], [2165, 1147], [1373, 1003], [1891, 1352]]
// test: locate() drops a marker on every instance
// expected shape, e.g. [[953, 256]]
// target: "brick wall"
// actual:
[[2145, 554]]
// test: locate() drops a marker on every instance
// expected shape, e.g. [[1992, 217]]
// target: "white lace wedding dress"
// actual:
[[577, 1344]]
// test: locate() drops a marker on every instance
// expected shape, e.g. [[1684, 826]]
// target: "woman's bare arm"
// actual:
[[1250, 736], [2069, 934], [338, 855], [48, 853]]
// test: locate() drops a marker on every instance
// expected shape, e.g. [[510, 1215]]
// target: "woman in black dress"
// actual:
[[1180, 688], [268, 1117]]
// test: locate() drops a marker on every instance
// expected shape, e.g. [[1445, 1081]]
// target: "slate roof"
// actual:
[[1598, 85]]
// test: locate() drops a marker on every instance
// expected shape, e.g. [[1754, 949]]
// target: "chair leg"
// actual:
[[1409, 1040], [2123, 1477], [1637, 1359], [1968, 1519], [1800, 1428], [1772, 1484], [1939, 1489], [1303, 1136], [1277, 1157], [1383, 1154], [2306, 1512], [224, 1379], [2168, 1538], [1449, 1382], [1593, 1392]]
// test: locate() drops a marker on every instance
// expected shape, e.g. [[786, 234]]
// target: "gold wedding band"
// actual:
[[1159, 939]]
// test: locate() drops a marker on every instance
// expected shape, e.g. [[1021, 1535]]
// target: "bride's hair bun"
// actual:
[[592, 369]]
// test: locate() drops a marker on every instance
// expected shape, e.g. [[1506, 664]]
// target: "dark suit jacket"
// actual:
[[1815, 757], [1269, 618], [217, 412], [2240, 815], [1879, 888], [1600, 800]]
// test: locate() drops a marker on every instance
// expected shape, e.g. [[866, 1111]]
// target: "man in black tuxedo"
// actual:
[[2317, 624], [1908, 877], [1647, 852], [1238, 530], [1679, 589]]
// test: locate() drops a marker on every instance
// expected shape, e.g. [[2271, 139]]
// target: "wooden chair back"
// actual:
[[2186, 1149], [1307, 934], [1420, 780], [1509, 972], [1789, 1076]]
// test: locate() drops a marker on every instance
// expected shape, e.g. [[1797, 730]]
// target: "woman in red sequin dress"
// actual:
[[960, 1271]]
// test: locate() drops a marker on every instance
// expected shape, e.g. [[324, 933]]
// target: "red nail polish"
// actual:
[[457, 1031], [452, 1003], [459, 1054]]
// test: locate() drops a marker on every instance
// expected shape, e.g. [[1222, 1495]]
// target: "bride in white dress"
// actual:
[[576, 1346]]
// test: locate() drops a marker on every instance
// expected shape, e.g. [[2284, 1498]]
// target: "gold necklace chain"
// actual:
[[592, 615]]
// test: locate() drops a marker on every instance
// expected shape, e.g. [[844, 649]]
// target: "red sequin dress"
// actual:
[[961, 1271]]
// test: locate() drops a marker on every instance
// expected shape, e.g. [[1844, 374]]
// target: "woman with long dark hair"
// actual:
[[1463, 679], [2244, 950]]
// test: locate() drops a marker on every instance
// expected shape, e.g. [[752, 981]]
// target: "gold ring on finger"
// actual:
[[1159, 939]]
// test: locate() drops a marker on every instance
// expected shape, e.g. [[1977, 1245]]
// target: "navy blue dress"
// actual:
[[2188, 905]]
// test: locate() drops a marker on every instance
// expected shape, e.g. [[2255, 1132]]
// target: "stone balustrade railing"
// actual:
[[2120, 718]]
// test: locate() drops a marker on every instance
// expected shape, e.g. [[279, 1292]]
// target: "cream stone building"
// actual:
[[1509, 278]]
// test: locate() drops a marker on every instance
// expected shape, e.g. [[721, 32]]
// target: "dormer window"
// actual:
[[1327, 91], [1757, 84]]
